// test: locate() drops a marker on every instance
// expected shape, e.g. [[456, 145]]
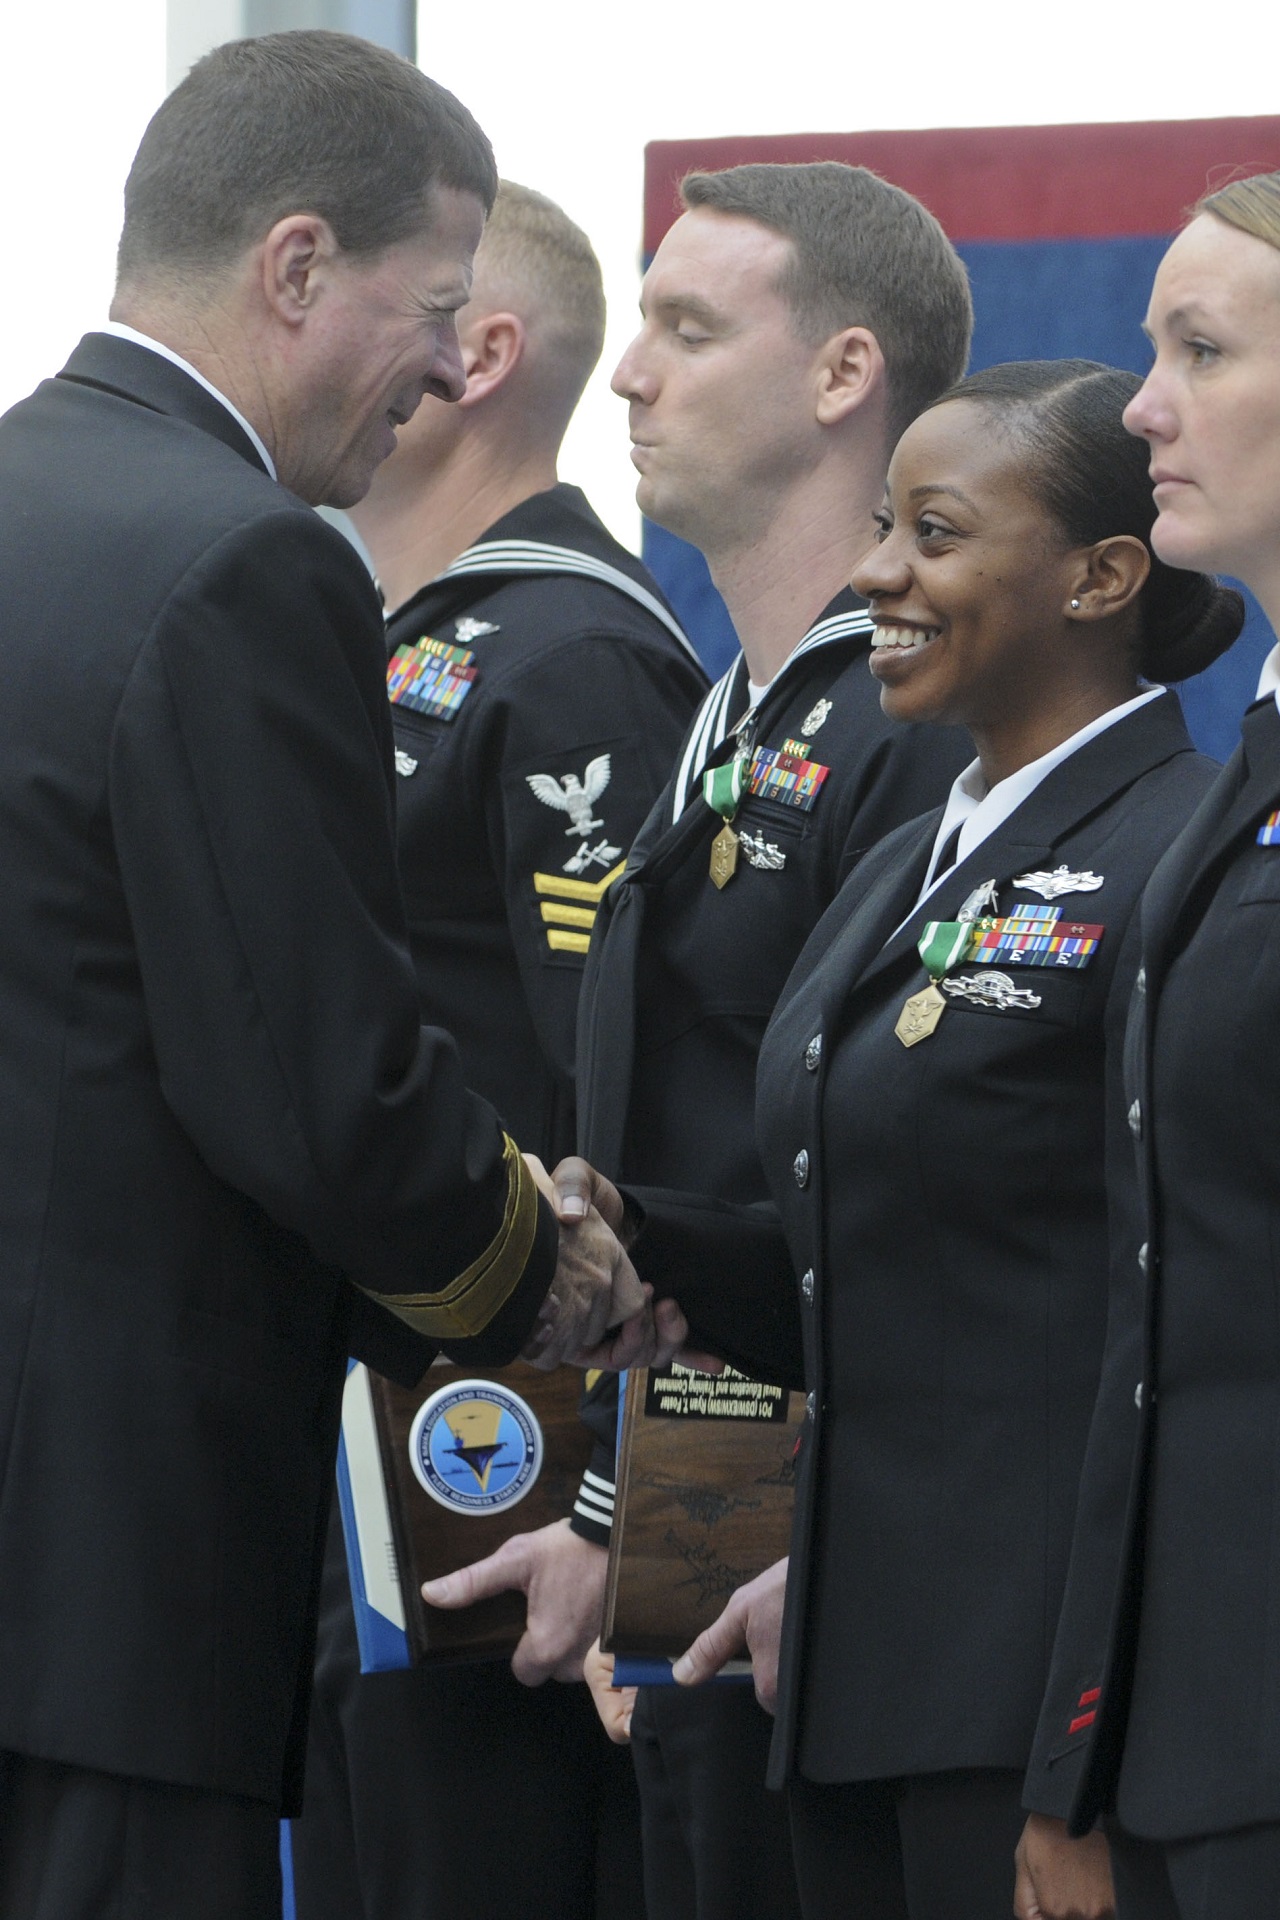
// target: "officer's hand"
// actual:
[[1058, 1878], [578, 1188], [595, 1288], [751, 1623], [615, 1705], [562, 1578]]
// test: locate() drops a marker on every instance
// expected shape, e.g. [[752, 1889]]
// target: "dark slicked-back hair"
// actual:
[[306, 122], [864, 254], [1064, 419]]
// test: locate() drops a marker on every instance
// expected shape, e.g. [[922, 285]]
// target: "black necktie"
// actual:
[[947, 858]]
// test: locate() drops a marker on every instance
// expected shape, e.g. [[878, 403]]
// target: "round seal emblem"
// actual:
[[476, 1447]]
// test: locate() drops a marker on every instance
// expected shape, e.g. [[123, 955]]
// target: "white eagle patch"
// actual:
[[575, 797]]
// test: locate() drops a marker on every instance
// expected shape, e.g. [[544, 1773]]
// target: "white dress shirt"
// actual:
[[978, 809], [121, 332], [1269, 678]]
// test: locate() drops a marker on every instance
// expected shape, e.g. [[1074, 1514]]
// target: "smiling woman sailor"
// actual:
[[932, 1120]]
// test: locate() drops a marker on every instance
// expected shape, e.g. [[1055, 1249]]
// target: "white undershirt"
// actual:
[[978, 809], [119, 331], [756, 694], [1269, 678]]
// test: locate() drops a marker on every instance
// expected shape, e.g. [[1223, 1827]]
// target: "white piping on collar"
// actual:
[[539, 556], [711, 727]]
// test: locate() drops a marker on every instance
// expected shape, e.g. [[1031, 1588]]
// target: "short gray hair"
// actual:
[[305, 122]]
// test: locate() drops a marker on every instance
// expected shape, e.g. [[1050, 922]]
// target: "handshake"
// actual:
[[598, 1313]]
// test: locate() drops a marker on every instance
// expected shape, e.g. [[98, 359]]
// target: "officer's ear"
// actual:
[[493, 345], [850, 375]]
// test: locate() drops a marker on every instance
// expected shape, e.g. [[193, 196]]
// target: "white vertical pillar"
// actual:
[[194, 26]]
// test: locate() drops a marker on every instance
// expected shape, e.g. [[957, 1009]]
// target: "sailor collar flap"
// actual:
[[552, 534], [844, 623]]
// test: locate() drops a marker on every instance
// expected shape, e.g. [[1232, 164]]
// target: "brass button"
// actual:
[[813, 1053], [806, 1285], [800, 1168]]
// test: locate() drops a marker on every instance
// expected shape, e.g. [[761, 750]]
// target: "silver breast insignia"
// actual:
[[759, 852], [816, 716], [1062, 880], [990, 990]]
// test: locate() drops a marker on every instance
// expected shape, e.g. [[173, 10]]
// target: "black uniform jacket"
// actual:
[[682, 977], [1164, 1700], [945, 1208], [215, 1091], [501, 882]]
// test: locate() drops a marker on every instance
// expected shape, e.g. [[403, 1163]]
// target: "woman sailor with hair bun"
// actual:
[[933, 1119]]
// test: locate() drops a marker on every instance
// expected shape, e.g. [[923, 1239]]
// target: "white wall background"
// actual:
[[570, 90]]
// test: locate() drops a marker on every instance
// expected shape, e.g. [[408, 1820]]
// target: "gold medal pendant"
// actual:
[[920, 1015], [724, 856]]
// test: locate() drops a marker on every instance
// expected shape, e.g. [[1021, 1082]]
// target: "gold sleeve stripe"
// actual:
[[569, 916], [584, 890], [466, 1306], [567, 942]]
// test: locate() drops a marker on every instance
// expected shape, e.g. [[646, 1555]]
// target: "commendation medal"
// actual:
[[942, 944], [722, 791], [724, 856]]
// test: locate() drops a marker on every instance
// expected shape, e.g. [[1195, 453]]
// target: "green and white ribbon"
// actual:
[[722, 786], [943, 945]]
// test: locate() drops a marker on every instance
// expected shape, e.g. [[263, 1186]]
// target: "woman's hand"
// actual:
[[1058, 1878]]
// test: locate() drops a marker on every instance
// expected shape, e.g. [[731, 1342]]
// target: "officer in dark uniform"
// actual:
[[932, 1120], [230, 1152], [539, 687], [1161, 1715], [761, 425]]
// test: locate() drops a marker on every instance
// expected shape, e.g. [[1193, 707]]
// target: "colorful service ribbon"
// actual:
[[784, 778], [1027, 937], [431, 677]]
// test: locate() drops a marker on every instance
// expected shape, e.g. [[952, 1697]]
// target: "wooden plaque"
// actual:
[[432, 1539], [706, 1487]]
